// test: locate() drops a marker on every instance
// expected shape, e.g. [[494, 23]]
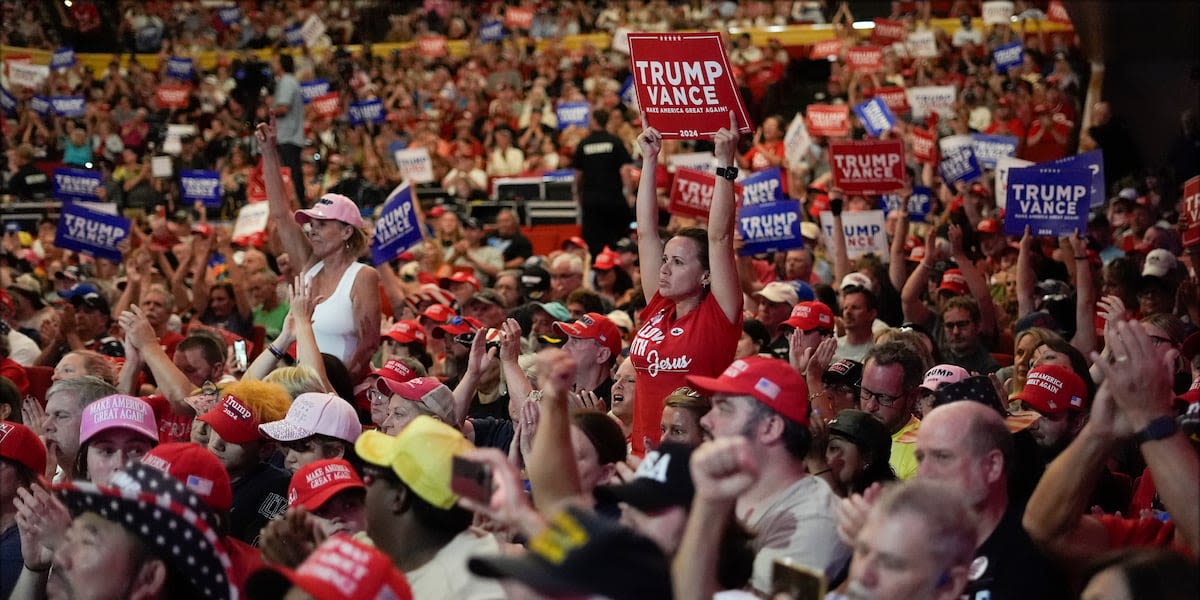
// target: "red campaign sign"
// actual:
[[431, 46], [173, 96], [692, 192], [865, 59], [874, 167], [828, 120], [1191, 211], [824, 49], [888, 32], [924, 146], [327, 105], [1057, 13], [256, 188], [894, 97], [518, 17], [684, 84]]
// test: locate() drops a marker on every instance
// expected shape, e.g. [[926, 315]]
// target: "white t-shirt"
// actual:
[[447, 576], [800, 524]]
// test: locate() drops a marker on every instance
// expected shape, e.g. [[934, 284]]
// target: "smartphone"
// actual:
[[468, 338], [471, 479], [797, 581], [239, 354]]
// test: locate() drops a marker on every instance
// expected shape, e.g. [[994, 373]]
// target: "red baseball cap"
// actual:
[[917, 254], [953, 281], [807, 316], [1052, 389], [769, 380], [235, 422], [395, 370], [988, 225], [457, 326], [20, 444], [315, 483], [195, 467], [341, 568], [574, 241], [605, 261], [438, 313], [407, 331], [594, 326], [460, 277]]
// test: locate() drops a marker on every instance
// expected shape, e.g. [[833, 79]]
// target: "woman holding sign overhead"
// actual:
[[693, 317], [327, 241]]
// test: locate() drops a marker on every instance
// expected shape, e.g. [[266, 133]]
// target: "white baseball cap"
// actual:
[[1159, 263], [316, 413]]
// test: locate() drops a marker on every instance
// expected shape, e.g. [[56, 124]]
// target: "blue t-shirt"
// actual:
[[10, 560]]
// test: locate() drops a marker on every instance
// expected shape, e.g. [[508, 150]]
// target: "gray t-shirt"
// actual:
[[289, 127]]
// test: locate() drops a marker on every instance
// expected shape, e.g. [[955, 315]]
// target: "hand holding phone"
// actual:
[[471, 479], [798, 582]]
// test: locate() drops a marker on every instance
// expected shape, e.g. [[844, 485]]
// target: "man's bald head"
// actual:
[[979, 428], [966, 444]]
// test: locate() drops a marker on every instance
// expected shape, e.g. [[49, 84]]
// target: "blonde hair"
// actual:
[[296, 380], [270, 401]]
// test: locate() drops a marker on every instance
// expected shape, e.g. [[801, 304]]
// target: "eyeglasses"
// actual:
[[883, 399], [375, 395]]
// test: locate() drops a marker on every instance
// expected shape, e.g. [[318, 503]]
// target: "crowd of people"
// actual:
[[279, 416]]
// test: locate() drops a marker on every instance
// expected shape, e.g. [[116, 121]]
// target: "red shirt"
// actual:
[[171, 427], [668, 349], [16, 373], [1047, 148]]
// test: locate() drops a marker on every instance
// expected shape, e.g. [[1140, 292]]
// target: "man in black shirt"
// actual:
[[27, 181], [509, 240], [598, 160]]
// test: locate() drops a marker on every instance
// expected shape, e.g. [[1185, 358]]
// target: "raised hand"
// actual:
[[1139, 376], [265, 133], [138, 330], [42, 521], [956, 241], [289, 540], [510, 340], [650, 141], [584, 400], [726, 141], [1112, 308], [853, 510], [723, 469], [556, 372]]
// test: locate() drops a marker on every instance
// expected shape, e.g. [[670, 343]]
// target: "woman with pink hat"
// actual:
[[113, 431], [327, 240]]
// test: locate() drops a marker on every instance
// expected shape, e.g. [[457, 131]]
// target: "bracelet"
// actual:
[[33, 570], [279, 355]]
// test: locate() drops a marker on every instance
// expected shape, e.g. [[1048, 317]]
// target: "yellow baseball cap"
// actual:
[[421, 455]]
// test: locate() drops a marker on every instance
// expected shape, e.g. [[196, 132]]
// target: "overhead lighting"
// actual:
[[776, 28], [864, 24], [67, 3]]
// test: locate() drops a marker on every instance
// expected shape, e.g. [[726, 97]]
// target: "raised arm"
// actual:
[[841, 256], [237, 276], [290, 233], [1026, 279], [1085, 296], [364, 297], [300, 310], [518, 384], [897, 271], [393, 288], [551, 466], [650, 245], [723, 281], [913, 307], [172, 383], [479, 358], [975, 282]]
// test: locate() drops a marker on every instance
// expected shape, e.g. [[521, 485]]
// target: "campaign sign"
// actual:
[[1050, 200], [201, 185], [1000, 185], [68, 106], [959, 165], [989, 148], [1092, 161], [573, 114], [796, 142], [63, 58], [692, 192], [829, 120], [518, 17], [863, 230], [313, 88], [312, 30], [865, 59], [826, 49], [953, 143], [293, 36], [997, 12], [1191, 212], [769, 227], [1009, 56], [559, 176], [628, 94], [929, 99], [924, 146], [40, 105], [89, 232], [762, 187], [256, 188], [871, 167], [229, 14], [24, 74], [684, 84], [366, 111], [8, 103], [918, 203], [887, 32], [173, 96], [894, 97], [327, 105], [699, 161], [415, 164], [875, 116], [251, 223], [1057, 13], [431, 46], [922, 44], [77, 184], [491, 31], [398, 228], [180, 67]]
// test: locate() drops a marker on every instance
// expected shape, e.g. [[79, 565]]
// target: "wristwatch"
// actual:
[[1160, 428], [729, 173]]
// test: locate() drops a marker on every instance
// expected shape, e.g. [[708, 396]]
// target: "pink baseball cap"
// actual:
[[118, 411], [315, 413], [331, 207], [940, 375]]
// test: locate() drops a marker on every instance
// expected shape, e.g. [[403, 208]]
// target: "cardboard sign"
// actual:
[[865, 59], [828, 120], [875, 116], [1000, 184], [761, 187], [251, 223], [161, 166], [180, 68], [959, 165], [8, 103], [692, 192], [1191, 212], [313, 88], [518, 17], [796, 142], [491, 31], [398, 228], [27, 75], [431, 46], [997, 12], [366, 111], [922, 44], [1057, 13], [230, 14], [1009, 56], [873, 167], [293, 36], [201, 185], [312, 30], [769, 227], [256, 188], [888, 32], [40, 105], [684, 84], [173, 95], [90, 232], [924, 146], [1093, 162], [573, 114], [77, 184], [1052, 201], [415, 164], [327, 105], [826, 50], [69, 106], [894, 97], [953, 143], [63, 58], [863, 230], [918, 203], [699, 161], [926, 100], [628, 94], [989, 148]]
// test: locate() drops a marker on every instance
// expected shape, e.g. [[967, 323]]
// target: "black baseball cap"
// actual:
[[843, 372], [662, 481], [865, 431]]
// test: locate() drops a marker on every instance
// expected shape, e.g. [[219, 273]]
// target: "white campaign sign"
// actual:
[[21, 74], [251, 219], [997, 13], [700, 161], [1003, 164], [415, 164], [951, 143], [312, 30], [933, 98], [797, 142], [922, 44], [864, 233]]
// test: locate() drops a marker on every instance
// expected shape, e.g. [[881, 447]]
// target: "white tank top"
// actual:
[[333, 319]]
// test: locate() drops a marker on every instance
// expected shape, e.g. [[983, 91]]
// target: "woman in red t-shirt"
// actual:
[[693, 318]]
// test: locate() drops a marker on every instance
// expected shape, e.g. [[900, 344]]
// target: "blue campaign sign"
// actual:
[[1051, 200], [559, 176], [762, 187], [918, 203], [770, 227], [179, 67], [398, 228], [988, 148], [628, 93], [1094, 163], [68, 106], [492, 30], [63, 58], [1009, 56], [313, 88], [93, 233], [8, 103], [960, 165], [40, 105], [201, 185], [293, 36], [875, 116], [573, 114], [77, 184], [230, 14], [366, 111]]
